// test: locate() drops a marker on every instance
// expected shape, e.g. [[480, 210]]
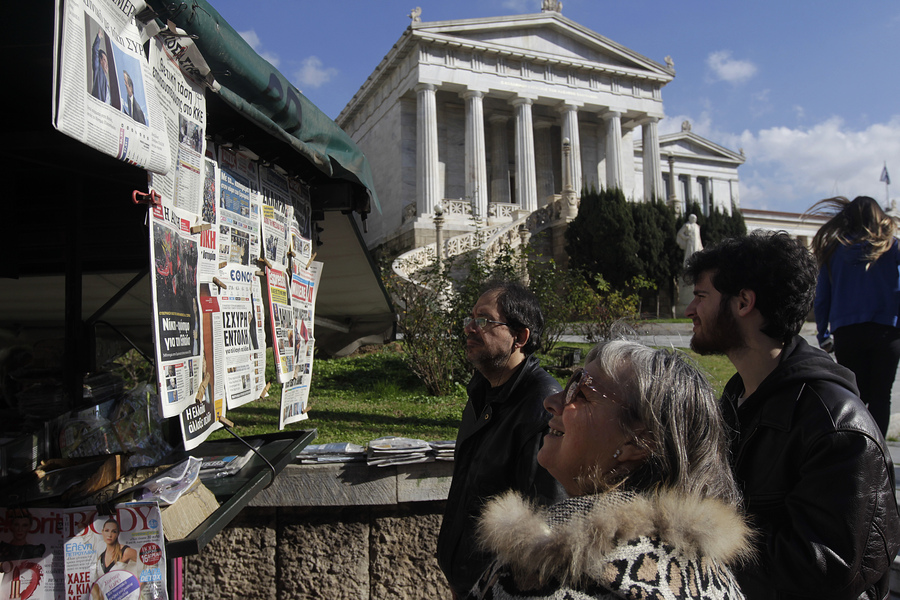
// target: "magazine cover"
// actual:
[[31, 541], [119, 556]]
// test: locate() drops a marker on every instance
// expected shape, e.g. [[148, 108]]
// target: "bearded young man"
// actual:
[[503, 425], [817, 479]]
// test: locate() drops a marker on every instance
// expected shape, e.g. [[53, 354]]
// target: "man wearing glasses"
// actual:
[[502, 426]]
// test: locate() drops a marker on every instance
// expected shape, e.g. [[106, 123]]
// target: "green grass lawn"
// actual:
[[372, 394]]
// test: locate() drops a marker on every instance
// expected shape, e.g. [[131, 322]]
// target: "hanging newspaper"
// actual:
[[281, 319], [183, 112], [258, 353], [174, 256], [120, 556], [301, 222], [239, 336], [276, 214], [31, 554], [210, 189], [103, 89], [238, 211], [199, 421], [295, 393]]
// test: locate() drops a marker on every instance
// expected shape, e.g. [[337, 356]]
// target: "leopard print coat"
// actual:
[[613, 545]]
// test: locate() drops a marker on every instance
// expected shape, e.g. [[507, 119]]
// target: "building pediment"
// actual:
[[686, 144], [548, 36]]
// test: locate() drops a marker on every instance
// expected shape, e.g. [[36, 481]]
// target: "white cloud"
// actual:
[[789, 169], [725, 68], [311, 74], [252, 38]]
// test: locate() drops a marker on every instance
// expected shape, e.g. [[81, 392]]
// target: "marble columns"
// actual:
[[476, 159], [499, 159], [570, 130], [526, 179], [653, 184], [428, 194], [614, 178]]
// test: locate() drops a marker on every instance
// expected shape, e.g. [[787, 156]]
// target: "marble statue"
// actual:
[[688, 237]]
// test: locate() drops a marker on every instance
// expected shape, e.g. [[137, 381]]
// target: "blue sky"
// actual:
[[808, 88]]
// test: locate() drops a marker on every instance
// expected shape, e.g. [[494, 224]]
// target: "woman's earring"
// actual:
[[617, 453]]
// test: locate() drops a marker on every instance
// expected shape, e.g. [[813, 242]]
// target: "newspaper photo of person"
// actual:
[[100, 85]]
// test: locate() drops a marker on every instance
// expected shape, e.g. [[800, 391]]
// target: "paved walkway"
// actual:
[[678, 335]]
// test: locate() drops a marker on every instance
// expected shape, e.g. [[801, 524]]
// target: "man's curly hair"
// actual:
[[779, 269]]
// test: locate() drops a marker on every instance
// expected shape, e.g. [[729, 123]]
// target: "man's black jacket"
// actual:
[[495, 451], [818, 482]]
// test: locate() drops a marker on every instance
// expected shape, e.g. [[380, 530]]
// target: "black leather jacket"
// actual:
[[495, 451], [818, 482]]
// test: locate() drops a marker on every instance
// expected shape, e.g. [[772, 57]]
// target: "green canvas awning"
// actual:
[[259, 93]]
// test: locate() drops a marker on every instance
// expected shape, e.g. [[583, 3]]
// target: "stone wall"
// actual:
[[350, 532]]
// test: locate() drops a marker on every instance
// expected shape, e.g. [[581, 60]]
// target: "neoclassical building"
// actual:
[[486, 120], [703, 172]]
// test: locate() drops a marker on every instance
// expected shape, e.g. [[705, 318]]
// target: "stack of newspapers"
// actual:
[[444, 449], [386, 451], [336, 452]]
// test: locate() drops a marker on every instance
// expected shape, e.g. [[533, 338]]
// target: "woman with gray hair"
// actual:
[[638, 442]]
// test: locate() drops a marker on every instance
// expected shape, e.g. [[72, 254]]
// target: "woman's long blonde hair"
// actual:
[[852, 222]]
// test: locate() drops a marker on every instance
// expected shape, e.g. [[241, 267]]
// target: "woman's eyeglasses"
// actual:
[[578, 379]]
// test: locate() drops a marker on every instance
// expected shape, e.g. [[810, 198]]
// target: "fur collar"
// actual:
[[574, 541]]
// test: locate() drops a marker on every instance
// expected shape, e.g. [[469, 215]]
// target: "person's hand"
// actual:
[[827, 345]]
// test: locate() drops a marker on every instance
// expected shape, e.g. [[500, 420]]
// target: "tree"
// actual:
[[600, 240], [654, 232]]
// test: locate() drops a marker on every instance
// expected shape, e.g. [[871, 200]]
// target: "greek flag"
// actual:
[[884, 176]]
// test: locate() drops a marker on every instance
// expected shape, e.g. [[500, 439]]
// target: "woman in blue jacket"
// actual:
[[858, 296]]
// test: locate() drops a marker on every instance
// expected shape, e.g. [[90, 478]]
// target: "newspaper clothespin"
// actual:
[[260, 273], [226, 422], [223, 264], [291, 253], [152, 197], [263, 262], [265, 392], [305, 409], [202, 391], [311, 258], [201, 227], [219, 283], [105, 508]]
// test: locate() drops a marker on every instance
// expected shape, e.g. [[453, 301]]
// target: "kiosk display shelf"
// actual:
[[236, 491]]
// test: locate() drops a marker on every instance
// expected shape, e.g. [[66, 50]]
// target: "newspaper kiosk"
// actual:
[[79, 279]]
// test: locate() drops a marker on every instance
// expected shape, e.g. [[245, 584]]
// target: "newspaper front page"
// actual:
[[103, 88], [295, 393], [174, 255], [276, 214], [281, 317], [120, 556], [238, 211], [239, 333], [183, 113]]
